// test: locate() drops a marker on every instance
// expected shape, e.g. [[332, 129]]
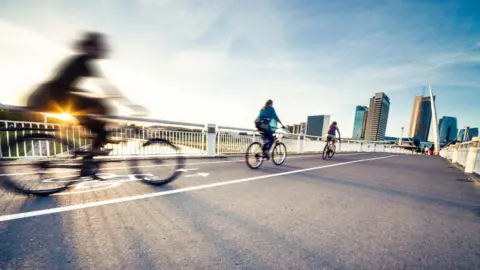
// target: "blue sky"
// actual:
[[219, 61]]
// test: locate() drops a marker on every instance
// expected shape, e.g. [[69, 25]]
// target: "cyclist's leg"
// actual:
[[85, 105], [270, 139]]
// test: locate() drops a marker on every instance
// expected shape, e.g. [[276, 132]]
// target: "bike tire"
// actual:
[[275, 153], [253, 156], [325, 151], [16, 182], [332, 151], [172, 154]]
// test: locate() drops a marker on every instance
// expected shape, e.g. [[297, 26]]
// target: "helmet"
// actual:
[[334, 123]]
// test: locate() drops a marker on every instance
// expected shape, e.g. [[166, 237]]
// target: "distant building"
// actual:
[[448, 129], [421, 117], [303, 127], [377, 117], [461, 135], [467, 134], [295, 129], [473, 133], [360, 122], [317, 125]]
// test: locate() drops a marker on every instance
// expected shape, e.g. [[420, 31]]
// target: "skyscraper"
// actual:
[[377, 117], [467, 134], [448, 129], [317, 125], [473, 133], [359, 124], [421, 118], [461, 135]]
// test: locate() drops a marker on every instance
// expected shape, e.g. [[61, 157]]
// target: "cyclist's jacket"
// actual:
[[267, 119], [332, 130]]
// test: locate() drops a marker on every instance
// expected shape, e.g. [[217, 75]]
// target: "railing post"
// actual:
[[211, 139], [472, 155], [301, 143], [455, 153]]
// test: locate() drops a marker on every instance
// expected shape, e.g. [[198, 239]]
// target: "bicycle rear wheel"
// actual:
[[333, 148], [279, 154], [254, 155], [40, 174], [162, 167]]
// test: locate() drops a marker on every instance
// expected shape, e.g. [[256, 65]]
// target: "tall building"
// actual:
[[303, 127], [360, 121], [377, 117], [317, 125], [467, 134], [296, 129], [461, 135], [421, 118], [448, 129], [473, 133]]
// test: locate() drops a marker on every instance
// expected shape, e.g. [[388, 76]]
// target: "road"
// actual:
[[355, 211]]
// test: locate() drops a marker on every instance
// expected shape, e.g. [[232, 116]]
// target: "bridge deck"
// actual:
[[354, 211]]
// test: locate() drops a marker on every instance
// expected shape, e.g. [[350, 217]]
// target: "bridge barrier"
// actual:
[[192, 139], [466, 155]]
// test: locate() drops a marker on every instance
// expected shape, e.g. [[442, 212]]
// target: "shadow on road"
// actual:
[[23, 244]]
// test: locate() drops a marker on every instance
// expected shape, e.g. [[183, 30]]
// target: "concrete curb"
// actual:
[[471, 176]]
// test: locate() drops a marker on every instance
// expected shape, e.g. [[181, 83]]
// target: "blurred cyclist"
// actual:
[[266, 123], [331, 133], [61, 92]]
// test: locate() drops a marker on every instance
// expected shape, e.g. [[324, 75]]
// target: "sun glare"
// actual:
[[62, 116]]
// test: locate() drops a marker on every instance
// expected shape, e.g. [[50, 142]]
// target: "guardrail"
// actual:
[[466, 155], [193, 139]]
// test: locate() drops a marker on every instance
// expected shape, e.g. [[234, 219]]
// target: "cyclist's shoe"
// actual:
[[266, 156]]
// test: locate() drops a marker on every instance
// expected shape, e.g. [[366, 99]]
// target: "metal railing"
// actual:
[[192, 139]]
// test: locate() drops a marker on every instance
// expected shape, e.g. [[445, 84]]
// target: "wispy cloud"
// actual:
[[227, 57]]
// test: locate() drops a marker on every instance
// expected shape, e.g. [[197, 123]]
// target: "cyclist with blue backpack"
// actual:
[[266, 123]]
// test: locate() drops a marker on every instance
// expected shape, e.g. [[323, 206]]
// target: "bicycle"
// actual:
[[329, 149], [78, 163], [278, 150]]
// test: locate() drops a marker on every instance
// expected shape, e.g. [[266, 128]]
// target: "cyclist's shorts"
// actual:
[[331, 137]]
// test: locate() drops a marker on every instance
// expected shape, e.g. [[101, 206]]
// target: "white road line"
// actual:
[[166, 165], [163, 193]]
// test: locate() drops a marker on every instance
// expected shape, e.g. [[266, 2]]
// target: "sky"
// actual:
[[218, 61]]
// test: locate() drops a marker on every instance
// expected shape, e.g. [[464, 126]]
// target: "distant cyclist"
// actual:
[[266, 122], [61, 92], [332, 133]]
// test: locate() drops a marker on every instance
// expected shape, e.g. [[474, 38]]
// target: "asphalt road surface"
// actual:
[[355, 211]]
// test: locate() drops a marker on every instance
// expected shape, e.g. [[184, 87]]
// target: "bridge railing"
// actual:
[[192, 139], [466, 155]]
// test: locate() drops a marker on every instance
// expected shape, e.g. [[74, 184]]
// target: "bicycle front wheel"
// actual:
[[325, 151], [279, 154], [42, 164], [163, 165], [254, 155]]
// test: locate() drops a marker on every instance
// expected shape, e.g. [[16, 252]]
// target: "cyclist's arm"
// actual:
[[339, 136], [113, 92], [275, 116]]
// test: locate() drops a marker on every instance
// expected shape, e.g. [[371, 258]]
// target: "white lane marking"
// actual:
[[198, 174], [163, 193], [166, 165]]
